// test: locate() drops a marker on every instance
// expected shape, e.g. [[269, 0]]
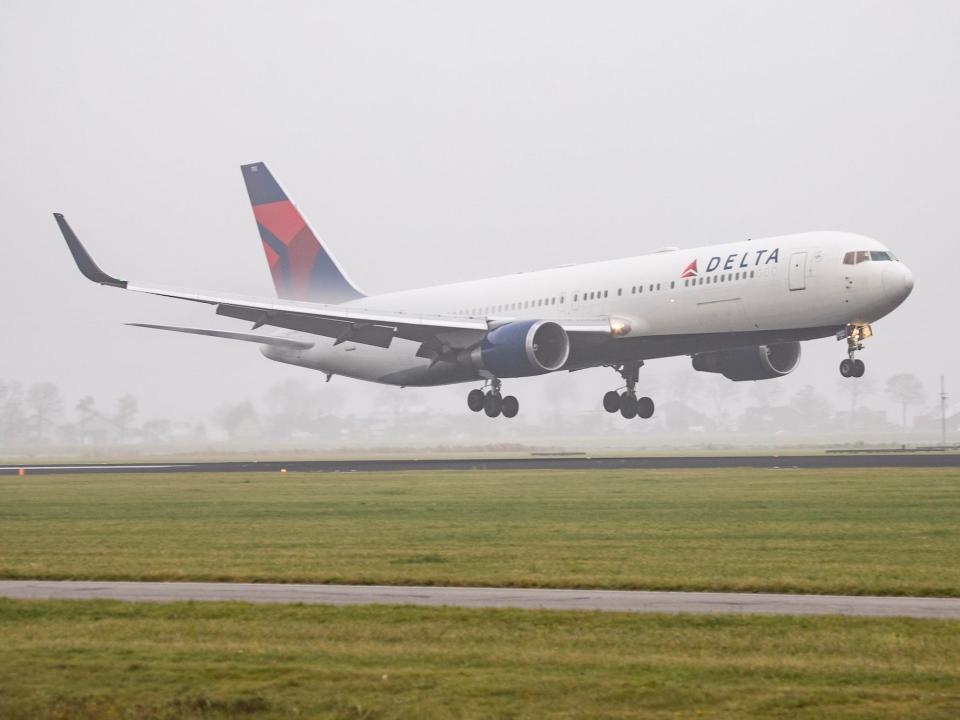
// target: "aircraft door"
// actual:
[[798, 271]]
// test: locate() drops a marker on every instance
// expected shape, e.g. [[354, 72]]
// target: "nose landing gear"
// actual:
[[854, 334], [627, 402], [851, 367], [492, 402]]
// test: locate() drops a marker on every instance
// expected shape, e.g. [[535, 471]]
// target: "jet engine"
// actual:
[[524, 347], [760, 362]]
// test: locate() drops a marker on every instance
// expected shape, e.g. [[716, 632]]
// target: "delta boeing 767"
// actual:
[[739, 309]]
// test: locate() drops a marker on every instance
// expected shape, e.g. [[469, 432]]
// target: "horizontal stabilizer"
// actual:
[[247, 337]]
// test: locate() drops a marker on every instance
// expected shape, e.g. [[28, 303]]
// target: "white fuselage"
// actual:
[[673, 302]]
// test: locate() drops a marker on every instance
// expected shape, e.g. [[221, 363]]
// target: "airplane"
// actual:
[[739, 309]]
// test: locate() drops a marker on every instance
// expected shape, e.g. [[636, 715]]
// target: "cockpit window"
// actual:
[[859, 256]]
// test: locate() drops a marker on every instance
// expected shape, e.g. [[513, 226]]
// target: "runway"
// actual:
[[891, 460], [633, 601]]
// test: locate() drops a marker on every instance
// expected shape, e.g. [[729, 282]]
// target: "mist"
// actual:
[[437, 142]]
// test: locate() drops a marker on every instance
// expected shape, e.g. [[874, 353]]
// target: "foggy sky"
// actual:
[[436, 142]]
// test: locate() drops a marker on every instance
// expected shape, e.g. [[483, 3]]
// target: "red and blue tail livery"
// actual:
[[301, 267]]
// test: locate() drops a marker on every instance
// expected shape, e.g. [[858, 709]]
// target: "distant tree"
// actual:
[[199, 431], [813, 408], [125, 414], [766, 393], [156, 431], [233, 418], [86, 407], [329, 399], [12, 420], [723, 393], [906, 390], [855, 389], [291, 408], [686, 386], [45, 402]]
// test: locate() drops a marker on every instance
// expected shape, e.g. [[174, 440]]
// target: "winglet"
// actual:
[[86, 264]]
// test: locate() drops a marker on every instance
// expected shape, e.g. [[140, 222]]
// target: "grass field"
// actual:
[[837, 531], [107, 661]]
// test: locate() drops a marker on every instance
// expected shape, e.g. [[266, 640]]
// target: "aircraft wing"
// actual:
[[437, 333]]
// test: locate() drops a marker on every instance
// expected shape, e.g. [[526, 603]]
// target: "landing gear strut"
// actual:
[[627, 402], [854, 335], [492, 402]]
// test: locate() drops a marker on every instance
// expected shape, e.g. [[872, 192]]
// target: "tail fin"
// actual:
[[301, 267]]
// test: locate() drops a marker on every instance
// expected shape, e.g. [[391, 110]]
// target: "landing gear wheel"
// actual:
[[475, 400], [509, 406], [611, 401], [846, 368], [628, 406], [644, 408], [858, 368], [492, 405]]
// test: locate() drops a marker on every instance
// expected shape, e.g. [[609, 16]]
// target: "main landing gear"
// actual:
[[492, 403], [627, 402], [854, 335]]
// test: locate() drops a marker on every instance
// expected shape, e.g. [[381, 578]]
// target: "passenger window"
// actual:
[[605, 293], [619, 292], [658, 286], [671, 284], [640, 289]]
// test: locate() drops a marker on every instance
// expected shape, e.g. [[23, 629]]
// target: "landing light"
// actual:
[[618, 327]]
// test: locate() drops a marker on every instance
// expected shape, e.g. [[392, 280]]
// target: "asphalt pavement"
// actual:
[[891, 460], [635, 601]]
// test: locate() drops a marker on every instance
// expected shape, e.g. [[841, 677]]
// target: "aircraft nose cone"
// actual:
[[897, 283]]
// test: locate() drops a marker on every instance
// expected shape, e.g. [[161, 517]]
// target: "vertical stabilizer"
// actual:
[[302, 268]]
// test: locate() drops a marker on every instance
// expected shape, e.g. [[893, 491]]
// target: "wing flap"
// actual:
[[228, 335], [341, 330]]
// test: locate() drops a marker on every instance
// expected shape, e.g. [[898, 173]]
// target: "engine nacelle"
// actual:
[[760, 362], [524, 347]]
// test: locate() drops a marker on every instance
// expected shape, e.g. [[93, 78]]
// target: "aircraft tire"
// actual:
[[492, 405], [611, 401], [645, 408], [475, 400]]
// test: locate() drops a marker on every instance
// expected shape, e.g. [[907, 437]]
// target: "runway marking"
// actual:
[[107, 467], [633, 601]]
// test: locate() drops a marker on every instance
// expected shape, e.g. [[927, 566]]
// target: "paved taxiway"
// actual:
[[892, 460], [485, 597]]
